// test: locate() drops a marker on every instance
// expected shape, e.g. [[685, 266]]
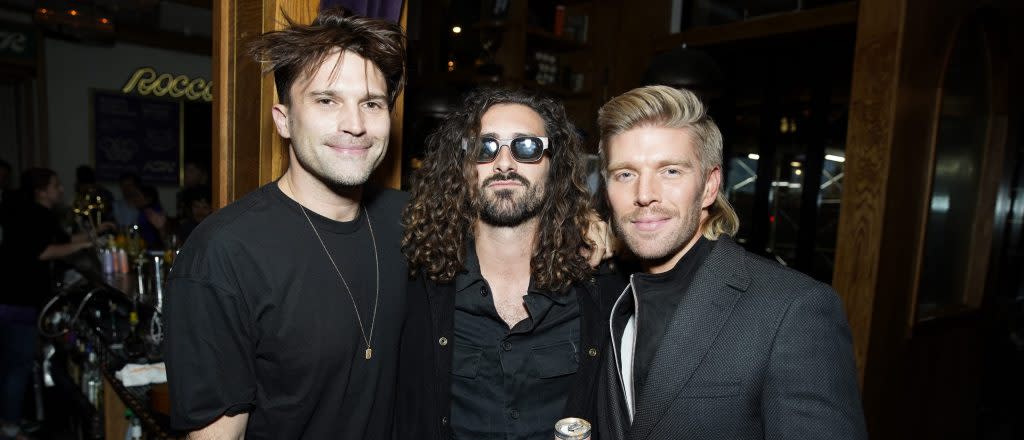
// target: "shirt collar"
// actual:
[[470, 275]]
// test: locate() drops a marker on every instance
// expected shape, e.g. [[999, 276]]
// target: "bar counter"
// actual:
[[103, 327]]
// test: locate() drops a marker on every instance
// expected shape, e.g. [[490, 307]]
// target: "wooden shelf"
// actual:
[[767, 26]]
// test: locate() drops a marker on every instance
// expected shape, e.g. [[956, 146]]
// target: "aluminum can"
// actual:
[[572, 428]]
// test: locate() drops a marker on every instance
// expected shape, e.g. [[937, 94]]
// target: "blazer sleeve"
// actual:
[[811, 389]]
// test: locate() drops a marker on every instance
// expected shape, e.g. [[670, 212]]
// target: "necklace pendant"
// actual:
[[369, 352]]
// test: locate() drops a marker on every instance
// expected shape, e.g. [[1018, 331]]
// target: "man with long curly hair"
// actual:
[[285, 307], [507, 322]]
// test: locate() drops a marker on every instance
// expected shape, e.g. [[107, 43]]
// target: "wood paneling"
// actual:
[[247, 152], [900, 54], [868, 146]]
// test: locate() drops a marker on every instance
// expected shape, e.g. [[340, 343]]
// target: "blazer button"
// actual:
[[444, 421], [592, 352], [443, 341]]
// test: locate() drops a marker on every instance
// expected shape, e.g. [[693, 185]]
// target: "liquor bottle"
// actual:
[[134, 345]]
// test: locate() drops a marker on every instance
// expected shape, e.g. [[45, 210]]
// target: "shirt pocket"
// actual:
[[555, 360], [466, 361]]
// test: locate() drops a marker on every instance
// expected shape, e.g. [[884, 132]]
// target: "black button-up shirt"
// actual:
[[511, 383]]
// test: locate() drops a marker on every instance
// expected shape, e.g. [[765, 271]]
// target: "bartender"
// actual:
[[33, 239]]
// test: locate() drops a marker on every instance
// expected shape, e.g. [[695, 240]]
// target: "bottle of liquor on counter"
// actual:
[[572, 428], [93, 382], [134, 430], [134, 345]]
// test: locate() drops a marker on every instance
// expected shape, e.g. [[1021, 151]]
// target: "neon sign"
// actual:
[[145, 81]]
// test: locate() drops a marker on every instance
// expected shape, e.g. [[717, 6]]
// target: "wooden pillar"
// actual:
[[901, 50], [247, 152]]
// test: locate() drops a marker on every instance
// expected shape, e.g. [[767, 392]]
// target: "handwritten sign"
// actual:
[[146, 81], [134, 134]]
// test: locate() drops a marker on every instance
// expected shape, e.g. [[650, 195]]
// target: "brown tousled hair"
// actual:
[[301, 49], [444, 203]]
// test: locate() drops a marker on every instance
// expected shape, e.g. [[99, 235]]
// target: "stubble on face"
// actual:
[[656, 247], [339, 122]]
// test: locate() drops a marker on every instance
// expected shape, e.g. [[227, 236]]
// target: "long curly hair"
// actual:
[[445, 197]]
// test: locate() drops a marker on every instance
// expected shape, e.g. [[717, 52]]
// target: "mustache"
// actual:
[[656, 211], [511, 175], [343, 139]]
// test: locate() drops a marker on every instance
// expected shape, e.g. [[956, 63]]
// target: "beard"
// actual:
[[510, 207]]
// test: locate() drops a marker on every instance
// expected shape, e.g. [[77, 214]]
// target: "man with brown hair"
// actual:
[[507, 324], [709, 341], [285, 307]]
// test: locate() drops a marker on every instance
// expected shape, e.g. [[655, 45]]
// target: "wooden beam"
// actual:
[[247, 152], [389, 173], [761, 27]]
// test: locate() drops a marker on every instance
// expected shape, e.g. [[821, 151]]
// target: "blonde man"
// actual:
[[708, 341]]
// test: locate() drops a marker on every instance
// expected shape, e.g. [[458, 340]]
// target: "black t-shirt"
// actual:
[[258, 320], [28, 228]]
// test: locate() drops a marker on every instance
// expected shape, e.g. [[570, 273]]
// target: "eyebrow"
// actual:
[[686, 164], [514, 135], [333, 94]]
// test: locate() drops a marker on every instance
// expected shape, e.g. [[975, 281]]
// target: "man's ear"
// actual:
[[711, 187], [280, 114]]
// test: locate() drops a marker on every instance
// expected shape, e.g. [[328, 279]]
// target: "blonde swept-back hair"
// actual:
[[661, 106]]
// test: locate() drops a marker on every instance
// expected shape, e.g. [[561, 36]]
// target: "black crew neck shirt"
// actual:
[[659, 295], [259, 321], [28, 229]]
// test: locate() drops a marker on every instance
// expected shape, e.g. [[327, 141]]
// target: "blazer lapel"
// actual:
[[698, 319]]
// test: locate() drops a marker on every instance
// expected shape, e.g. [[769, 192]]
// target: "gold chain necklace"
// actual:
[[376, 262]]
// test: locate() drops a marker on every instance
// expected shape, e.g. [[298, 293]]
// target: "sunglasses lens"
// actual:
[[527, 148], [488, 149]]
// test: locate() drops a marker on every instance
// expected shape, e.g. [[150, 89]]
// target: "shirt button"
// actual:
[[443, 341], [483, 291], [507, 346], [444, 421], [592, 352], [514, 413]]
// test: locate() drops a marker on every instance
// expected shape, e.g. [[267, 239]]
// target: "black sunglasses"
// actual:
[[524, 149]]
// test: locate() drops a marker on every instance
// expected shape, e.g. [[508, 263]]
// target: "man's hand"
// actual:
[[600, 234], [224, 428]]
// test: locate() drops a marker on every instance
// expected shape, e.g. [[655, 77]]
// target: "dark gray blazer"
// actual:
[[754, 351]]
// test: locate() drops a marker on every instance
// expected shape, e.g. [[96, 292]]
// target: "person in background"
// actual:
[[198, 206], [195, 176], [34, 239], [125, 213], [151, 220]]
